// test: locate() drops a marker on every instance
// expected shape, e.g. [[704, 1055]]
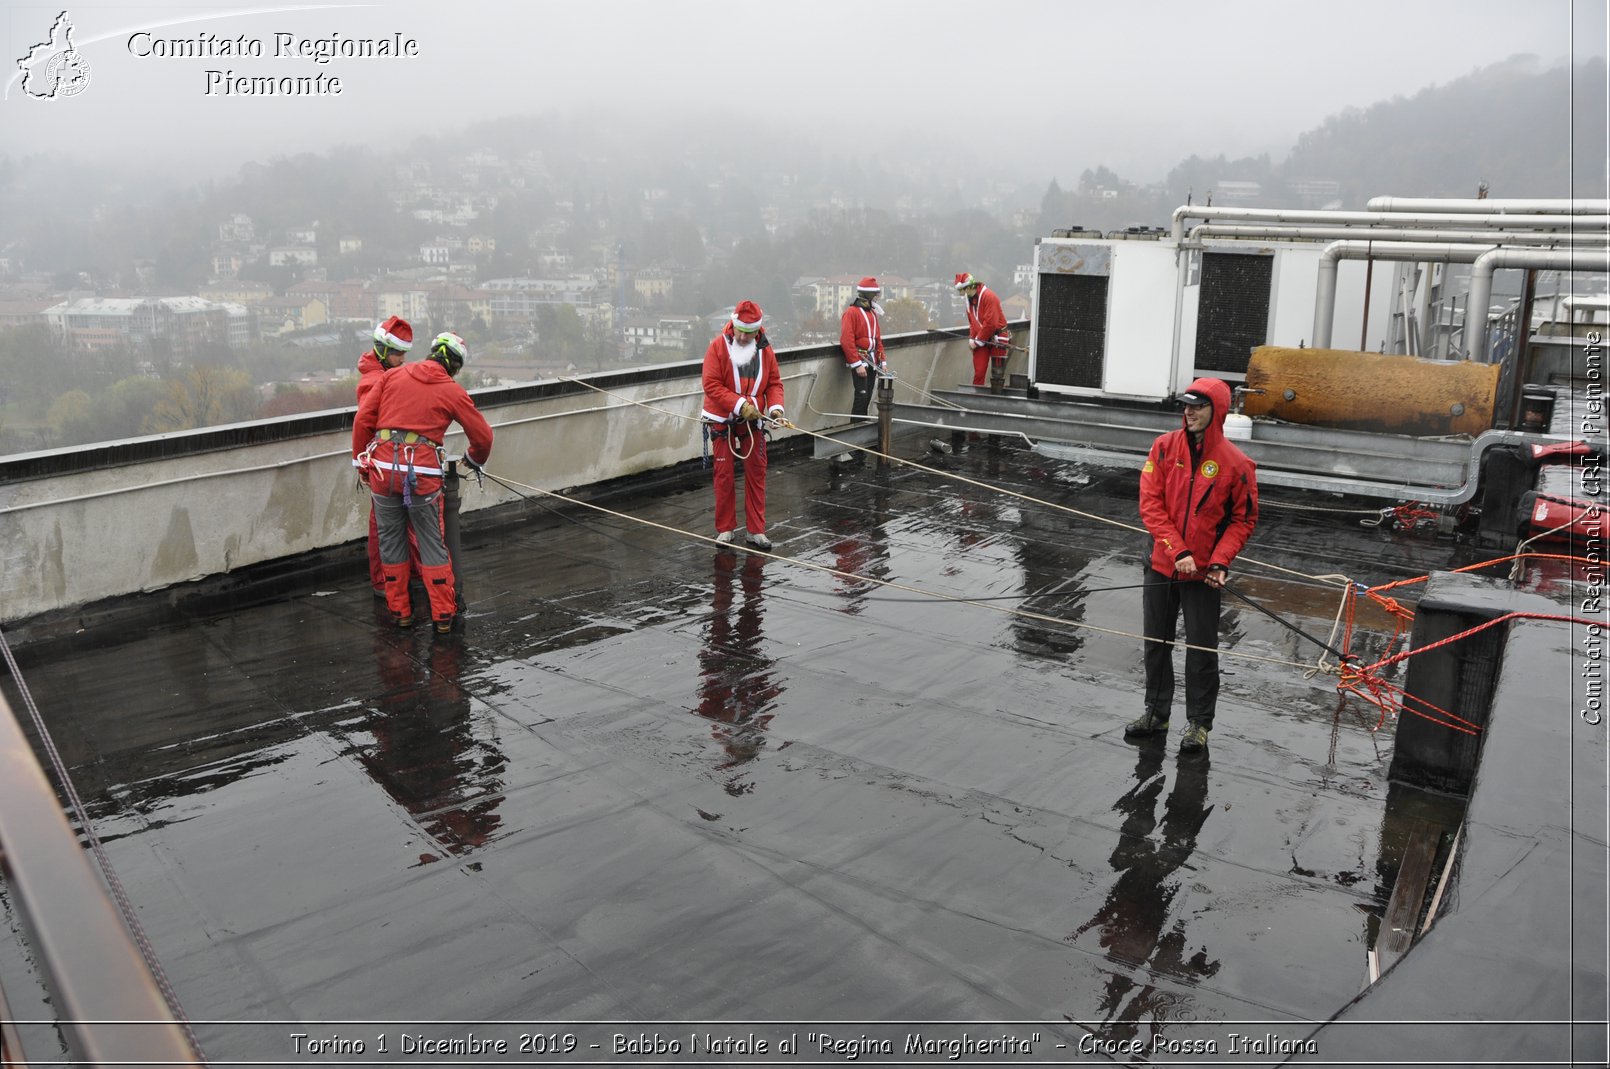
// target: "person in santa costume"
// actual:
[[392, 340], [987, 335], [397, 441], [741, 385], [861, 339]]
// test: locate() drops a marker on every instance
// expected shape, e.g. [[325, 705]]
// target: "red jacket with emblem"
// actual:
[[727, 385], [420, 397], [1202, 502], [859, 332], [985, 319]]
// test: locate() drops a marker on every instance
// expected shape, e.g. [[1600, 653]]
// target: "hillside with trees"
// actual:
[[607, 196]]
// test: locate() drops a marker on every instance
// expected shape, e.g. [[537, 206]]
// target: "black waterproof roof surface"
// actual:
[[651, 781]]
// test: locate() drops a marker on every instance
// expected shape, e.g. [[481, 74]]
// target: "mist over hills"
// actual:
[[601, 203], [677, 190]]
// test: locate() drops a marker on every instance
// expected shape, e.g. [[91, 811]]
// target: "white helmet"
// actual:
[[450, 351]]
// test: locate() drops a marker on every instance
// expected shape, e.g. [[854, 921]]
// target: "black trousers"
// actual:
[[863, 391], [1162, 600]]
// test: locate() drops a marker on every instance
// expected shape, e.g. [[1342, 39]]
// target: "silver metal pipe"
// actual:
[[1537, 206], [1588, 261], [1456, 220], [1406, 251], [1345, 233]]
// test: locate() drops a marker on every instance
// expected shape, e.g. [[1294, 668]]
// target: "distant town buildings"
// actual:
[[565, 243], [178, 326]]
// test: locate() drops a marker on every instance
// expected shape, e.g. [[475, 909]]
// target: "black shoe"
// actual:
[[1145, 727], [1195, 740]]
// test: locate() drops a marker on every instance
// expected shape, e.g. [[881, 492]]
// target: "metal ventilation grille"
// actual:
[[1071, 330], [1233, 310]]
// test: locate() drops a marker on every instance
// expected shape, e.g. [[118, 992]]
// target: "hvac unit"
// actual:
[[1133, 315], [1103, 321]]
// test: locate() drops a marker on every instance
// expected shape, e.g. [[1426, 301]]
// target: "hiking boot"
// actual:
[[724, 537], [1145, 726], [405, 622], [444, 627], [760, 541], [1195, 740]]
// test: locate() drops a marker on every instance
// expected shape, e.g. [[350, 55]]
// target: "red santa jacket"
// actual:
[[860, 331], [728, 384], [419, 398], [369, 371], [1204, 503], [985, 320]]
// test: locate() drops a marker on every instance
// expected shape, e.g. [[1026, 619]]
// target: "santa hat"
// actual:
[[868, 285], [963, 280], [747, 317], [395, 333]]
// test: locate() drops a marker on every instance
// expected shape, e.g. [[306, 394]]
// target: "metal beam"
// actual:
[[110, 1009], [1438, 471]]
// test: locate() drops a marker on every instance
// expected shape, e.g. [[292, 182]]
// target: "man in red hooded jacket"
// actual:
[[741, 384], [1199, 500], [392, 340], [397, 440]]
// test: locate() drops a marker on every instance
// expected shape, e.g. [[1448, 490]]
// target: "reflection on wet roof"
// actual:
[[651, 781]]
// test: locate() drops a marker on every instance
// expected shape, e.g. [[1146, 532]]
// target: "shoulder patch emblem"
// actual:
[[1149, 466], [1210, 468]]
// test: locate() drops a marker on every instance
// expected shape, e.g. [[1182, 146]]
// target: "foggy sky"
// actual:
[[1044, 86]]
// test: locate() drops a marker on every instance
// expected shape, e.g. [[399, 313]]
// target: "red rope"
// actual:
[[1366, 681], [1390, 661]]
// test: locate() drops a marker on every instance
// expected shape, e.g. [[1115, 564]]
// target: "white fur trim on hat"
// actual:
[[395, 333]]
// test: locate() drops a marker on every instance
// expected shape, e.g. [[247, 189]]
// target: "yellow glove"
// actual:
[[747, 412]]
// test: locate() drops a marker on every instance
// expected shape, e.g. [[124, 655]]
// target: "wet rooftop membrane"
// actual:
[[650, 780]]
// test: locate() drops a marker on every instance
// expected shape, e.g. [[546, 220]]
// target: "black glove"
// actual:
[[470, 464]]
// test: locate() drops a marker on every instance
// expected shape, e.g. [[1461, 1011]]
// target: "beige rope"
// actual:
[[1329, 580], [889, 584]]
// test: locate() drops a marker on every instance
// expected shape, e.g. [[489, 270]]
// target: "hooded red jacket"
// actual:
[[420, 397], [1203, 504]]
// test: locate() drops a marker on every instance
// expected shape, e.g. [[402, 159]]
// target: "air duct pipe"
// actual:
[[1343, 233], [1455, 220], [1488, 207], [1587, 261], [1403, 251]]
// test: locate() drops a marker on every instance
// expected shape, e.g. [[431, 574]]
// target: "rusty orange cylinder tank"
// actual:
[[1351, 390]]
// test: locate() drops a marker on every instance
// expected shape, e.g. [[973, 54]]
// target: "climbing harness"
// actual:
[[412, 455]]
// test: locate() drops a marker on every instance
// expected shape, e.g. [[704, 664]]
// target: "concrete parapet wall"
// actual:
[[82, 525]]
